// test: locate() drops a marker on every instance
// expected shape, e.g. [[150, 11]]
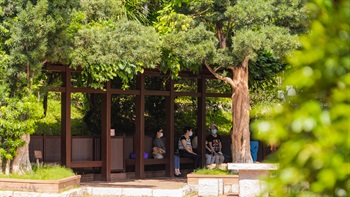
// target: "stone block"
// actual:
[[168, 193], [105, 191], [210, 187], [137, 192]]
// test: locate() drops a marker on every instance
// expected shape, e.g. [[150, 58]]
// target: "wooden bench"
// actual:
[[148, 147], [157, 161]]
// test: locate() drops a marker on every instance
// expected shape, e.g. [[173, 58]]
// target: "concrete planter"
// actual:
[[192, 179], [227, 183], [45, 186], [250, 175]]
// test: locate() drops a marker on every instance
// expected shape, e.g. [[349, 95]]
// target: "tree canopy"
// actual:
[[106, 44], [227, 37]]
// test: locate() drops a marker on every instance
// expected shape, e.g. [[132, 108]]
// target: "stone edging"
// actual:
[[108, 191], [43, 186]]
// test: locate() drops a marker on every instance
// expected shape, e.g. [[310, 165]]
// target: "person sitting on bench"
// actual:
[[159, 151], [185, 147]]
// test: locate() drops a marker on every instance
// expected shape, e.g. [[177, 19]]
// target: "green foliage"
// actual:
[[219, 112], [170, 21], [3, 84], [264, 69], [138, 10], [17, 118], [108, 49], [249, 27], [50, 125], [312, 129], [46, 172], [188, 48], [262, 25], [25, 51], [98, 10]]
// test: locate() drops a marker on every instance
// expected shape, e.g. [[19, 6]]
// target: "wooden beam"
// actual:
[[66, 134], [59, 68], [191, 94], [120, 91], [89, 90], [155, 72], [157, 93], [85, 164]]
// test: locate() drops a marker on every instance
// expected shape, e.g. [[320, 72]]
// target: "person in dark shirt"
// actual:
[[209, 156], [215, 145], [158, 145]]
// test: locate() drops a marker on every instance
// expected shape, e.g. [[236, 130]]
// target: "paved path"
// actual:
[[157, 183]]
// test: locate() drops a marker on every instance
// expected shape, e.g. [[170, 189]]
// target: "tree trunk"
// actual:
[[21, 162], [240, 115], [240, 134]]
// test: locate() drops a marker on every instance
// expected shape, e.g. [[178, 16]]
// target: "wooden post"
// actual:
[[139, 137], [66, 134], [170, 140], [105, 135], [201, 117]]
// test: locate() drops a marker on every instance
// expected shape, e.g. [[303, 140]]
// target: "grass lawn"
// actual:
[[46, 172]]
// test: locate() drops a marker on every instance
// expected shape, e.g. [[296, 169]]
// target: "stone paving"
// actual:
[[158, 187]]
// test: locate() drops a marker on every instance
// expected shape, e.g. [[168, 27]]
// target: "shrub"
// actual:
[[46, 172]]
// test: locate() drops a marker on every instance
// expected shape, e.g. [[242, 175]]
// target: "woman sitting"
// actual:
[[159, 151], [185, 147]]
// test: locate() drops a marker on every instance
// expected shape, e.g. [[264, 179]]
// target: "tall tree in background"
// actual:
[[225, 36], [32, 33]]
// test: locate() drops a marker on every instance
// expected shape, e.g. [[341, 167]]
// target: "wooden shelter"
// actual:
[[139, 138]]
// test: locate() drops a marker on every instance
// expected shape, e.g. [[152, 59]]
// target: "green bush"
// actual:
[[312, 128]]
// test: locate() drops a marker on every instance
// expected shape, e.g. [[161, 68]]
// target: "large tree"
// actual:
[[25, 27], [225, 36]]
